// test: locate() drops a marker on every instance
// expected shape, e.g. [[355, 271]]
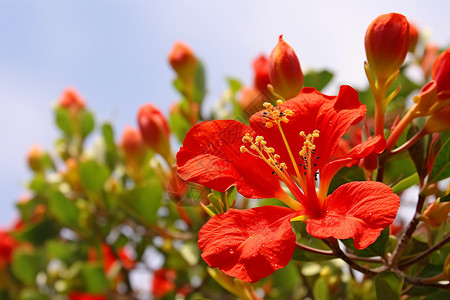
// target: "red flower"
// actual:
[[163, 282], [109, 259], [76, 295], [71, 100], [261, 69], [251, 244]]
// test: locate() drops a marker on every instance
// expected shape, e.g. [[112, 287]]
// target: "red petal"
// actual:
[[359, 210], [375, 144], [211, 156], [331, 115], [249, 244]]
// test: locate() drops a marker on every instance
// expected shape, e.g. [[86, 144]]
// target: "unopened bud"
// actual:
[[413, 37], [71, 100], [261, 69], [35, 158], [183, 61], [429, 56], [154, 129], [285, 72], [439, 121], [387, 43], [441, 74], [132, 143], [436, 213]]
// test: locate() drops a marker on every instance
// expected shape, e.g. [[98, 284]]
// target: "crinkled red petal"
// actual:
[[249, 244], [331, 115], [372, 145], [211, 156], [358, 210]]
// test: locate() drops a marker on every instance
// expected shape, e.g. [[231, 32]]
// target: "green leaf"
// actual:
[[111, 150], [31, 294], [199, 83], [38, 233], [93, 176], [405, 183], [63, 251], [418, 151], [26, 265], [64, 121], [321, 290], [94, 278], [144, 201], [87, 123], [445, 198], [179, 125], [39, 184], [234, 84], [63, 209], [441, 167], [388, 286], [317, 79], [346, 175]]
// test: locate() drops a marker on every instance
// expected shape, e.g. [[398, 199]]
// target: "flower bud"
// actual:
[[429, 56], [71, 100], [35, 158], [436, 213], [285, 72], [387, 43], [413, 37], [183, 61], [441, 74], [7, 246], [439, 121], [433, 150], [154, 129], [132, 143], [261, 69]]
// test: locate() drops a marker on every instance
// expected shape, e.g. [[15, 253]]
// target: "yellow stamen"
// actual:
[[308, 149], [301, 218]]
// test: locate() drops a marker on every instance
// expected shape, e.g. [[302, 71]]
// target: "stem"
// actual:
[[425, 253], [398, 130], [428, 281], [401, 246], [410, 142], [331, 253], [340, 254]]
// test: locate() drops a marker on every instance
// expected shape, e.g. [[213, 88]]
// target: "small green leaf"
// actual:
[[321, 290], [64, 121], [144, 201], [406, 183], [94, 278], [199, 83], [441, 167], [87, 123], [317, 79], [111, 150], [38, 233], [63, 209], [63, 251], [179, 125], [388, 286], [445, 198], [93, 176], [418, 151], [31, 294], [26, 265], [376, 249]]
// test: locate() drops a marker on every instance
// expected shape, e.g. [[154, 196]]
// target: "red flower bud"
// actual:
[[436, 213], [35, 158], [71, 99], [132, 143], [429, 56], [413, 37], [285, 72], [7, 246], [183, 61], [154, 129], [439, 121], [387, 43], [163, 282], [441, 74], [76, 295], [261, 69]]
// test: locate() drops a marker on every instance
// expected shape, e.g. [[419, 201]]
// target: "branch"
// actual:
[[314, 250], [401, 246], [425, 253]]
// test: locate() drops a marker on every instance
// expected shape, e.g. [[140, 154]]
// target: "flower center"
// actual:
[[273, 115], [308, 150]]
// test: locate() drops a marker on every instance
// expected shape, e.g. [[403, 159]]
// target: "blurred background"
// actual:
[[115, 53]]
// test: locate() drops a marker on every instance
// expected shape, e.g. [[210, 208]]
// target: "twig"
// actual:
[[401, 246], [425, 253]]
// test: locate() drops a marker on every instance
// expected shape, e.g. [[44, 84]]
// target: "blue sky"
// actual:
[[114, 52]]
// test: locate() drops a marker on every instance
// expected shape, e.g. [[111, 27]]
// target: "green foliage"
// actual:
[[388, 286]]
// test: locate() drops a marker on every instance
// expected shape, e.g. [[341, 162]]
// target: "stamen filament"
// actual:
[[289, 150]]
